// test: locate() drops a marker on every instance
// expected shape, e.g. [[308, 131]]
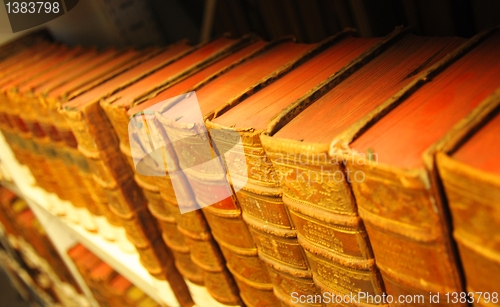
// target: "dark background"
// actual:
[[140, 23], [313, 20]]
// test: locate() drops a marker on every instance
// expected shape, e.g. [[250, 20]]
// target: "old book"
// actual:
[[234, 81], [321, 207], [271, 229], [193, 228], [393, 159], [468, 167], [51, 94]]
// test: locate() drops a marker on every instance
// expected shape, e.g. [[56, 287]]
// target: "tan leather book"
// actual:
[[185, 235], [318, 201], [56, 90], [261, 194], [468, 168]]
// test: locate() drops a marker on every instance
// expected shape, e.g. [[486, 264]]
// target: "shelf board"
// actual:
[[64, 234]]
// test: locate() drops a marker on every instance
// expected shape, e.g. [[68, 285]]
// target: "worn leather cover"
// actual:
[[472, 194]]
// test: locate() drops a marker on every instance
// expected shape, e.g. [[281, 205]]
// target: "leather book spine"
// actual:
[[267, 217], [97, 141], [100, 183], [471, 196], [212, 274], [410, 245], [162, 211], [205, 252], [34, 158], [233, 236], [8, 129], [58, 158], [66, 159], [323, 212]]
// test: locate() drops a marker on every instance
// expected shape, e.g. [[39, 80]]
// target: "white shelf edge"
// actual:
[[65, 234]]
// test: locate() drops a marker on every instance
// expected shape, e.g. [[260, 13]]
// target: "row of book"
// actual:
[[108, 287], [27, 250], [351, 157]]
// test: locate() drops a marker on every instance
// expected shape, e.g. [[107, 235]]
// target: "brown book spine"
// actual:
[[164, 210], [323, 213], [472, 194], [231, 233], [205, 252], [159, 206], [58, 157]]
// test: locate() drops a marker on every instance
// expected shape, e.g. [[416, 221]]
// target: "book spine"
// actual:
[[59, 159], [205, 251], [64, 160], [471, 195], [162, 207], [8, 128], [270, 221], [410, 245], [235, 215], [98, 142], [34, 157]]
